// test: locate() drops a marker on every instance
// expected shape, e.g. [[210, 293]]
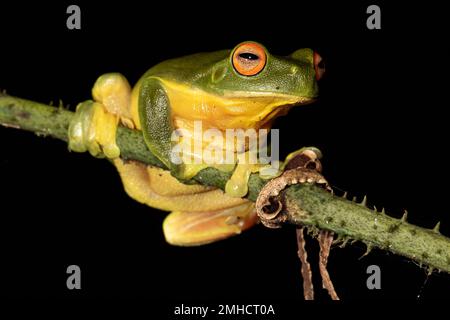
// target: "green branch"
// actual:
[[306, 204]]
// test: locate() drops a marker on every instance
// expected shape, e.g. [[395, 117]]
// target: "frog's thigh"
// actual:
[[156, 188], [196, 228], [113, 91]]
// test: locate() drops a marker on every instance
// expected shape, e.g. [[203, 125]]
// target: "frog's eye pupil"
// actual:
[[248, 56]]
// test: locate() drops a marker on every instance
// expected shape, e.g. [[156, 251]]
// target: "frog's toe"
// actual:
[[197, 228], [93, 129], [77, 128]]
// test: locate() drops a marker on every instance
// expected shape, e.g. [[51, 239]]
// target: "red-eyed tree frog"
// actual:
[[246, 87]]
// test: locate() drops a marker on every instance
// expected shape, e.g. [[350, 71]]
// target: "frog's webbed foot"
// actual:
[[302, 166], [195, 228], [94, 125]]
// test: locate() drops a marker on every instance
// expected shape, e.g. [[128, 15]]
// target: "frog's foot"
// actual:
[[113, 91], [93, 129], [94, 126], [196, 228]]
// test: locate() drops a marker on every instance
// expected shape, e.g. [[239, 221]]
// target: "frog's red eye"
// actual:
[[319, 65], [249, 59]]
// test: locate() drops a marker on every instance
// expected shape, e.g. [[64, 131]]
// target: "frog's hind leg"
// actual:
[[202, 227], [199, 215]]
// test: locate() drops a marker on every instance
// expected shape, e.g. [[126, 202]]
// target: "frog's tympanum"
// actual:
[[243, 88]]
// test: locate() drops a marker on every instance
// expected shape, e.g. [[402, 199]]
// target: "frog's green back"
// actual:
[[188, 69]]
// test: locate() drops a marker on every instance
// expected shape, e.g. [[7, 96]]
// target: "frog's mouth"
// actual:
[[260, 110]]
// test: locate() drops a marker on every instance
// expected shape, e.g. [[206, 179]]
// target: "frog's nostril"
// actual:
[[319, 65]]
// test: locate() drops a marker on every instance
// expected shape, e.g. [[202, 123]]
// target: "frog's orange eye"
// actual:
[[249, 59], [319, 65]]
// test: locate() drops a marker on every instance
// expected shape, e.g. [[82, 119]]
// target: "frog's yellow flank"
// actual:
[[243, 88]]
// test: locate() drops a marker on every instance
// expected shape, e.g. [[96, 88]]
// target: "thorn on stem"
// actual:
[[364, 201], [368, 250], [344, 243], [405, 216], [436, 227]]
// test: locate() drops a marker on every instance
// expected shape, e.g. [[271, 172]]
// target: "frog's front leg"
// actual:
[[94, 125], [156, 119], [237, 186]]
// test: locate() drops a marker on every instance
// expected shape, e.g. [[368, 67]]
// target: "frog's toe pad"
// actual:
[[93, 129], [197, 228]]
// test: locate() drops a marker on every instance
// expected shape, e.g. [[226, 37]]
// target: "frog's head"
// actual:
[[261, 86]]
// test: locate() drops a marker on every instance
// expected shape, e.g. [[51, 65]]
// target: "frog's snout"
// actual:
[[319, 65], [307, 56]]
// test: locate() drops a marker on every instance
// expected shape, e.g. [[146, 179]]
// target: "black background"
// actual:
[[380, 123]]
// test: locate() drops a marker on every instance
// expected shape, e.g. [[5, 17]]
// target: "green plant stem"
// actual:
[[306, 204]]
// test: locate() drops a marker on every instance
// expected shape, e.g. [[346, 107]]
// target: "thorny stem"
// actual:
[[306, 205]]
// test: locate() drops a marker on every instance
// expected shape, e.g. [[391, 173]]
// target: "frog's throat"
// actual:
[[230, 110]]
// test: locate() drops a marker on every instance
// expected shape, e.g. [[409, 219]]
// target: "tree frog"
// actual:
[[243, 88]]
